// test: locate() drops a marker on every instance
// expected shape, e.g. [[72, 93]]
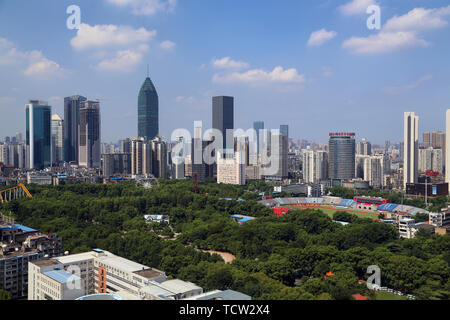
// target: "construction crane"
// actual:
[[14, 193]]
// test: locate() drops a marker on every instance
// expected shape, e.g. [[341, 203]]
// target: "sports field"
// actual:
[[330, 210]]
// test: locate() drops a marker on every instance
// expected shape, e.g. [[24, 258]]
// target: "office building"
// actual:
[[411, 148], [101, 272], [284, 130], [57, 140], [341, 158], [276, 153], [71, 122], [223, 119], [89, 150], [148, 111], [258, 126], [141, 157], [38, 134]]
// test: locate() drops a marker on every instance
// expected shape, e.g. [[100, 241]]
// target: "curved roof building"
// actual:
[[148, 111]]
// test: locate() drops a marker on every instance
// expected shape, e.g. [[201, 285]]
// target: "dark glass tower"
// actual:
[[70, 129], [223, 118], [90, 135], [341, 165], [38, 134], [258, 126], [148, 111]]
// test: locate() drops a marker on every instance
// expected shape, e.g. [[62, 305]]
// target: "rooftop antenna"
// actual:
[[148, 70]]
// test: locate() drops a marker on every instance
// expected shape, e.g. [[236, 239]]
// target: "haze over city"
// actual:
[[313, 65]]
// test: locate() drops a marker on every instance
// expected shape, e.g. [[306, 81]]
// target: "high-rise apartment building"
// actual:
[[89, 150], [57, 140], [426, 139], [223, 119], [431, 159], [364, 147], [70, 130], [230, 167], [411, 148], [341, 158], [141, 157], [116, 164], [38, 134], [160, 164], [315, 166], [148, 111]]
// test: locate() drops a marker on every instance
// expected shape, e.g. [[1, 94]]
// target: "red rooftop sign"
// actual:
[[342, 134]]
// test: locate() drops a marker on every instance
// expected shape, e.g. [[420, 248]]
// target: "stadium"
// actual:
[[364, 207]]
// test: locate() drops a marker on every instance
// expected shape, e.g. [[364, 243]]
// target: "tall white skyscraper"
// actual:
[[411, 148], [57, 139]]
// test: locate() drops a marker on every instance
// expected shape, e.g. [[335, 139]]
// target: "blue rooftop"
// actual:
[[61, 276], [26, 229]]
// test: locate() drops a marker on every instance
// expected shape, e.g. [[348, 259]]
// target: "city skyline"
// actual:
[[285, 82]]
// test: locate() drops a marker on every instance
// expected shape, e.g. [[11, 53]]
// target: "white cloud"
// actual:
[[125, 60], [384, 42], [259, 76], [98, 36], [356, 7], [35, 63], [43, 67], [408, 87], [419, 19], [319, 37], [146, 7], [228, 63], [167, 45], [400, 32]]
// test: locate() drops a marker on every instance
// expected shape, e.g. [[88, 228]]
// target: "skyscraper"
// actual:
[[258, 125], [341, 160], [284, 130], [89, 149], [148, 111], [70, 129], [411, 148], [38, 134], [223, 119], [57, 139]]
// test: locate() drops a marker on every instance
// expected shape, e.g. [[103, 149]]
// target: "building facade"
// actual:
[[223, 119], [57, 140], [341, 158], [38, 134], [70, 131], [89, 140], [411, 148], [148, 111]]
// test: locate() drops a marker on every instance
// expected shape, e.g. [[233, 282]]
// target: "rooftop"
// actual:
[[179, 286], [149, 273], [46, 262], [223, 295], [61, 276]]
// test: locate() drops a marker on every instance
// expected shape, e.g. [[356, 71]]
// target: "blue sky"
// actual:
[[311, 64]]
